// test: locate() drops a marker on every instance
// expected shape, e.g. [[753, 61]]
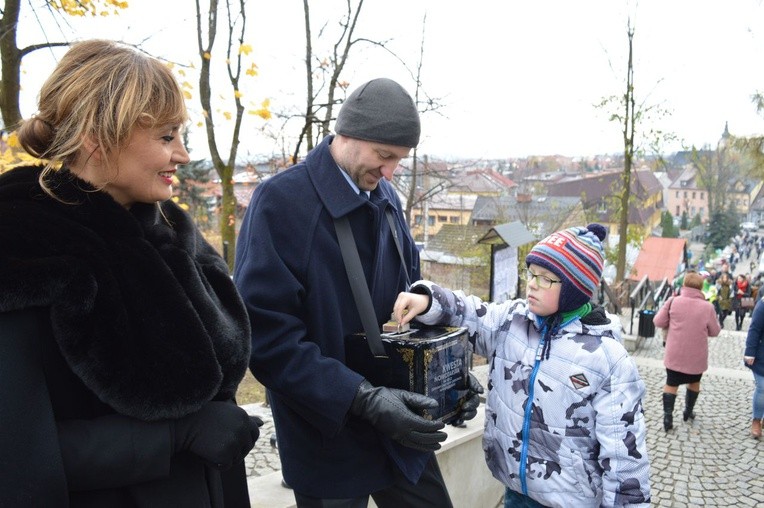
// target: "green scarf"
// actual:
[[580, 312]]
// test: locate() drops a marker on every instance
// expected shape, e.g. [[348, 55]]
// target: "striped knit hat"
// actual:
[[576, 256]]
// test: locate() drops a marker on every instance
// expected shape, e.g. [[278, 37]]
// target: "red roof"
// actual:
[[660, 258]]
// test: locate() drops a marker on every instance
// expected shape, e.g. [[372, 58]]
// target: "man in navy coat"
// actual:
[[340, 438]]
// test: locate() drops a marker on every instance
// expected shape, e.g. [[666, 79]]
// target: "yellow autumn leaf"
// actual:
[[207, 55], [88, 7], [187, 95], [252, 71], [245, 49], [13, 140], [263, 113], [227, 115], [237, 94]]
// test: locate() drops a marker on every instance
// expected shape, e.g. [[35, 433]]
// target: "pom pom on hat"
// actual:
[[577, 257], [381, 111]]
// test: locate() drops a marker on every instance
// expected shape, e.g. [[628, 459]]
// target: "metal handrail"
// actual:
[[664, 291], [606, 298], [639, 298]]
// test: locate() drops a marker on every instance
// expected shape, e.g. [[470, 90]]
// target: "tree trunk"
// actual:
[[628, 155], [10, 56]]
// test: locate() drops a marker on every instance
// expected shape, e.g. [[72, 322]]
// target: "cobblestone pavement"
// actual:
[[263, 458], [710, 461]]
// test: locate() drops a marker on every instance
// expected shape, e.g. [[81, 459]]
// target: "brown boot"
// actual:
[[756, 428]]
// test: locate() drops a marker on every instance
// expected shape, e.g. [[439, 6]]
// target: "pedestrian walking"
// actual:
[[753, 357], [725, 295], [689, 321], [741, 288]]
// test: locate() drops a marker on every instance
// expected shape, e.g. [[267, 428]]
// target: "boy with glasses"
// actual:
[[564, 417]]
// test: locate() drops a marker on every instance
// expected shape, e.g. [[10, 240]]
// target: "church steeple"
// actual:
[[726, 133]]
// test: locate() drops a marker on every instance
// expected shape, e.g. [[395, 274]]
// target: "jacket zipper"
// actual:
[[527, 413]]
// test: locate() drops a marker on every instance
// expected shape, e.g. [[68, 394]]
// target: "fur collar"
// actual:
[[144, 312]]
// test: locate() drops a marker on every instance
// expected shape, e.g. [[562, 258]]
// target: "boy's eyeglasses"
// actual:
[[542, 281]]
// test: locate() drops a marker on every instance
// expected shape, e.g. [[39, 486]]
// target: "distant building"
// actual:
[[600, 192], [454, 204], [443, 208], [540, 215], [455, 259], [685, 195]]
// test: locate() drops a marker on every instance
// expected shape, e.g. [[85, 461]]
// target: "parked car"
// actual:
[[749, 226]]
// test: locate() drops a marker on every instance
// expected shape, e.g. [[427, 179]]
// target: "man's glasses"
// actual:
[[542, 281]]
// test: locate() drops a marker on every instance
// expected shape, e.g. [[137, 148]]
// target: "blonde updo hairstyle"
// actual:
[[99, 91]]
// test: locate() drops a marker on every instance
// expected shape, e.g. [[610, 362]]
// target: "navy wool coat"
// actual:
[[290, 273]]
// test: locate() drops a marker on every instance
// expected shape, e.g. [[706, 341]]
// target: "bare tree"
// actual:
[[11, 55], [753, 146], [307, 130], [333, 65], [628, 123], [630, 115], [714, 174], [420, 186], [236, 24]]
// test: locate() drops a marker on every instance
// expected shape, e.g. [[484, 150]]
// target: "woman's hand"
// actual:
[[408, 306], [748, 360]]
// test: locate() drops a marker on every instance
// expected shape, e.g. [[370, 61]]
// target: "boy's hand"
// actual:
[[409, 305]]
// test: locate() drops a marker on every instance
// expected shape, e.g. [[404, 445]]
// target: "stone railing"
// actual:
[[460, 458]]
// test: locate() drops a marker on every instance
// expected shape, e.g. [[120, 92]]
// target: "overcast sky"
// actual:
[[515, 78]]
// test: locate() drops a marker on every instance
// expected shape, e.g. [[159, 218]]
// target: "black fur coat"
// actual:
[[142, 309]]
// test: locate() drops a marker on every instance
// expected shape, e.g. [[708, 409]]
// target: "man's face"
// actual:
[[367, 162]]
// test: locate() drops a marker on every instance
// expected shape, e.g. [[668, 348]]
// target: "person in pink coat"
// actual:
[[690, 320]]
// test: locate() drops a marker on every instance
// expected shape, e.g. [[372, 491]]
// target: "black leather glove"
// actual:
[[469, 408], [393, 412], [220, 433]]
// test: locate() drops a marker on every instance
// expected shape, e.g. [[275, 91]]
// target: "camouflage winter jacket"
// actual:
[[567, 427]]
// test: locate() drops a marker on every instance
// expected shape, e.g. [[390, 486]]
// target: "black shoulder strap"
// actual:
[[358, 285], [394, 231]]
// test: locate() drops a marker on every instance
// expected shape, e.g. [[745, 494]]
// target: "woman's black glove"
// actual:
[[220, 433], [393, 412], [468, 411]]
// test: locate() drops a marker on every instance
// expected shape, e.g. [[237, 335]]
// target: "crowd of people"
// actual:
[[730, 290], [728, 294]]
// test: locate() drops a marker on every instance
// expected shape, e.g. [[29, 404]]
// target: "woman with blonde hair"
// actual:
[[690, 320], [122, 337]]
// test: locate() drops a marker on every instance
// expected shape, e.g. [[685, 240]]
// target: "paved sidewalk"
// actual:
[[710, 461]]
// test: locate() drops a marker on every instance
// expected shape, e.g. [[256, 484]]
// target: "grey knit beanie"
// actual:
[[381, 111]]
